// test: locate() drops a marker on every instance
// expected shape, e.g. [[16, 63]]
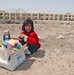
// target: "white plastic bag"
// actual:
[[5, 53]]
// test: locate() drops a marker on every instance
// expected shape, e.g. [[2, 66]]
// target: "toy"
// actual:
[[6, 33], [13, 42]]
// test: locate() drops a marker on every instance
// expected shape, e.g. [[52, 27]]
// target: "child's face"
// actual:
[[28, 27]]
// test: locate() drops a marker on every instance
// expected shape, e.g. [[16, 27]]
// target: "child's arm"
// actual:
[[32, 38], [23, 36]]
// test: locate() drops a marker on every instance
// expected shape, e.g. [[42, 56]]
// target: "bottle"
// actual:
[[4, 37], [8, 36]]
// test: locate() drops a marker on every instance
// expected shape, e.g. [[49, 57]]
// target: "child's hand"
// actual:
[[21, 36]]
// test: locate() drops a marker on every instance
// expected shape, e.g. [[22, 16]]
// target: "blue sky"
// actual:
[[39, 6]]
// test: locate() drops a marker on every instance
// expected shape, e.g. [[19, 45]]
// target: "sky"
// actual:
[[38, 6]]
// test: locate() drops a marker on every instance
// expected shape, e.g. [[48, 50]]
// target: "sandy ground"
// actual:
[[56, 55]]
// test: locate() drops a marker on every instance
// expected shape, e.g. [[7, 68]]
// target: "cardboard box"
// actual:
[[17, 58]]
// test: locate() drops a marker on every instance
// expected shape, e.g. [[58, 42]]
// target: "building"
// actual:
[[17, 17]]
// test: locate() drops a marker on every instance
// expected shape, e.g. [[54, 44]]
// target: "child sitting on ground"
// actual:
[[29, 36]]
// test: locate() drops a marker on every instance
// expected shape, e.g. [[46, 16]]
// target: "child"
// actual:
[[29, 36]]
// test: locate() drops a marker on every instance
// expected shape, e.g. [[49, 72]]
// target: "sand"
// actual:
[[56, 55]]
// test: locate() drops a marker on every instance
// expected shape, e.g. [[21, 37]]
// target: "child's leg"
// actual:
[[32, 48]]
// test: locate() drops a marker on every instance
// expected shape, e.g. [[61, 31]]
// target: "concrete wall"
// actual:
[[20, 17]]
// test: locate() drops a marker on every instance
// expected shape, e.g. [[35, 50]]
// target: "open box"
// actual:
[[17, 58]]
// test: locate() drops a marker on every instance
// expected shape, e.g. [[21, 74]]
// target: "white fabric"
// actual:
[[27, 52]]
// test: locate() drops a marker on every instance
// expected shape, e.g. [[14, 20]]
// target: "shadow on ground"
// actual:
[[28, 63], [39, 54]]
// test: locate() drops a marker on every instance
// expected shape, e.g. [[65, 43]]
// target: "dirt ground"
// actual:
[[56, 55]]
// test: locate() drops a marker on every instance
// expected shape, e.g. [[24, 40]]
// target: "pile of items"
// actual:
[[11, 52]]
